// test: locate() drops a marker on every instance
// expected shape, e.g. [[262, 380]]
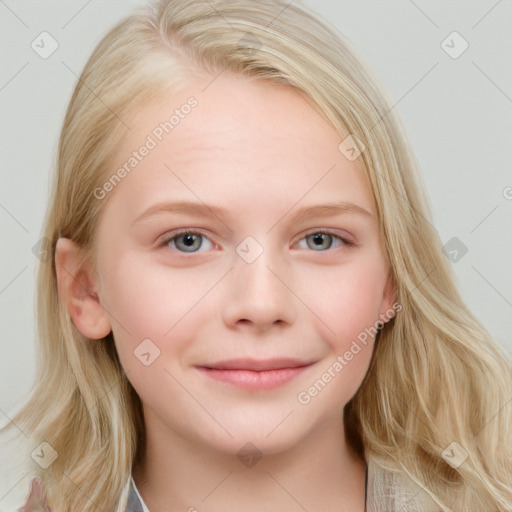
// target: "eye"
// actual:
[[188, 241], [322, 240]]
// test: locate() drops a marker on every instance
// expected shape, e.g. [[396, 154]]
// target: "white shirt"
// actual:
[[144, 506]]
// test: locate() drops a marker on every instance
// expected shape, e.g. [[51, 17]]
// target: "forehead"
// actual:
[[240, 139], [225, 104]]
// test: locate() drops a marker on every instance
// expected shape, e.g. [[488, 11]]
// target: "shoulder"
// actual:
[[28, 495], [14, 488], [16, 470], [36, 501]]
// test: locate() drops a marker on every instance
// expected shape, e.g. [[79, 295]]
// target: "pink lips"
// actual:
[[255, 374]]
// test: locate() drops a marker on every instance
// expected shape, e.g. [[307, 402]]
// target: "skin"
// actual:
[[36, 500], [262, 152]]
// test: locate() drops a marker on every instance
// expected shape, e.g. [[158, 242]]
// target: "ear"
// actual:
[[78, 290], [388, 307]]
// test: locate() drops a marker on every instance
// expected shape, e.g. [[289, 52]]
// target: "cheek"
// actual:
[[347, 310], [348, 303], [146, 300]]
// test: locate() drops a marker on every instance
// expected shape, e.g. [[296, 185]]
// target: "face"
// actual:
[[239, 262]]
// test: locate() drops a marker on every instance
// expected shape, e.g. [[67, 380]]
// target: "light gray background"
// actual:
[[458, 114]]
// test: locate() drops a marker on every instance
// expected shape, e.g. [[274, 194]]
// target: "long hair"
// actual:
[[437, 383]]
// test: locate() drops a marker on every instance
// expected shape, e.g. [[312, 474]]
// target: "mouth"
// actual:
[[255, 374]]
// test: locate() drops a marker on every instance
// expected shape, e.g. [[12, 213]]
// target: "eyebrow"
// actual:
[[198, 209]]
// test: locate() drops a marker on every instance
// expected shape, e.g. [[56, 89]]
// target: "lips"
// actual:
[[258, 365], [255, 374]]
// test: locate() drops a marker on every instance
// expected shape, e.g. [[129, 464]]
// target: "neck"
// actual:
[[322, 473]]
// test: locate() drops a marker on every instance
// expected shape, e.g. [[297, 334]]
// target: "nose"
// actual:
[[259, 295]]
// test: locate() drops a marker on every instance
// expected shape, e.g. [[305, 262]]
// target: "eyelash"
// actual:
[[343, 241]]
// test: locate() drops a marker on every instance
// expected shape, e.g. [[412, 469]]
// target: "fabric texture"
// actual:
[[391, 490], [134, 503]]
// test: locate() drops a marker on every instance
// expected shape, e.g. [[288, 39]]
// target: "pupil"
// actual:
[[189, 240], [321, 240]]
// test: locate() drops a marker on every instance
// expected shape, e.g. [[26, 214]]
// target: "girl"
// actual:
[[247, 306]]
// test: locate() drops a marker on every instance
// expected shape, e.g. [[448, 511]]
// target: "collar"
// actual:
[[136, 503]]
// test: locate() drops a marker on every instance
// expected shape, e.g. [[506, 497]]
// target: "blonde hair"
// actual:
[[435, 377]]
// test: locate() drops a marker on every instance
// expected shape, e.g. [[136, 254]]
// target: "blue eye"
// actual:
[[321, 241], [193, 241], [188, 241]]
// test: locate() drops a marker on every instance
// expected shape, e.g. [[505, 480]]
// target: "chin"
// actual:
[[261, 437]]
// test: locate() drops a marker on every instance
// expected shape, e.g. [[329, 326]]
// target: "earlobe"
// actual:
[[78, 290]]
